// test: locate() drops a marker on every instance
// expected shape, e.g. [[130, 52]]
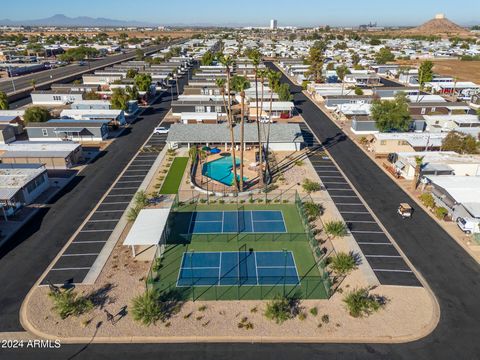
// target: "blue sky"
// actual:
[[252, 12]]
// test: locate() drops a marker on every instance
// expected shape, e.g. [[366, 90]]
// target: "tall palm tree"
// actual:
[[418, 169], [227, 61], [273, 82], [239, 85], [256, 59]]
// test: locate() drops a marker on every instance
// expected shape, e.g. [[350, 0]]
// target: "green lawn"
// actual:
[[294, 240], [174, 176]]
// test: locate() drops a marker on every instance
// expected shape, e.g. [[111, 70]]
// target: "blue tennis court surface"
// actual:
[[244, 221], [238, 268]]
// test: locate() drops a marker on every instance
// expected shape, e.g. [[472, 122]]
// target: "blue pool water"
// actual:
[[221, 170]]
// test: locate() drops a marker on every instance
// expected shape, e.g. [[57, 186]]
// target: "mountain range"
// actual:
[[81, 21]]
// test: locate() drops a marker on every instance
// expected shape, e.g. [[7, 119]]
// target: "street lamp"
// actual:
[[10, 74]]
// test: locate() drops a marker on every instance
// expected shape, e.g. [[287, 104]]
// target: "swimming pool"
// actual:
[[221, 170]]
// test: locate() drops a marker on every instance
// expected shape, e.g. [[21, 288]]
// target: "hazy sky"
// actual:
[[253, 12]]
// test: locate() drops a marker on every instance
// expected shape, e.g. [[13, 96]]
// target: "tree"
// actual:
[[131, 73], [139, 55], [132, 92], [78, 53], [3, 101], [315, 61], [384, 55], [119, 99], [227, 61], [375, 42], [91, 95], [391, 115], [342, 70], [143, 81], [256, 57], [460, 143], [207, 59], [418, 170], [358, 91], [284, 93], [36, 114], [425, 73], [273, 83], [240, 84]]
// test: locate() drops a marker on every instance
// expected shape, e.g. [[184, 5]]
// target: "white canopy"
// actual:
[[148, 227]]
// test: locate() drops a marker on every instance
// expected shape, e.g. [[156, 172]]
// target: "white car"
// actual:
[[161, 130]]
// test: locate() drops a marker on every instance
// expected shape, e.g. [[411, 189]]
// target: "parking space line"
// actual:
[[367, 243], [120, 202], [125, 188], [117, 195], [361, 221], [354, 212], [366, 232], [356, 204], [88, 242], [109, 211], [104, 230], [343, 196], [329, 189], [66, 269], [87, 254], [130, 181], [331, 176], [383, 256], [94, 221], [391, 270], [335, 182]]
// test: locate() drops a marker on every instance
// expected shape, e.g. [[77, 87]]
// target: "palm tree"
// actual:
[[34, 84], [341, 72], [418, 169], [273, 82], [256, 58], [240, 84], [227, 61]]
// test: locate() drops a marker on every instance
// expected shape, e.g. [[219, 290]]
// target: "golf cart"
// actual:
[[405, 210]]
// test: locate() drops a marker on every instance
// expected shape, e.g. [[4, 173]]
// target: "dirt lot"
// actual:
[[463, 70]]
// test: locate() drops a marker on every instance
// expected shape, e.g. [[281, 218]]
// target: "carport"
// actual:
[[148, 230]]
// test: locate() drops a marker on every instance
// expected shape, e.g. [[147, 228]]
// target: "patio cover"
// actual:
[[148, 228]]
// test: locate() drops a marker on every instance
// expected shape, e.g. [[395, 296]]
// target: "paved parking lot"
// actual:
[[78, 258], [387, 264]]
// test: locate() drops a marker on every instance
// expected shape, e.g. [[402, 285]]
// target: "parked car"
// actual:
[[160, 130], [468, 225]]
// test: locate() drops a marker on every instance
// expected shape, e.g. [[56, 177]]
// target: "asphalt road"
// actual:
[[451, 273], [54, 75]]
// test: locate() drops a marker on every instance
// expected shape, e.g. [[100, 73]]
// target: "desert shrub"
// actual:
[[441, 212], [360, 303], [314, 311], [343, 263], [313, 210], [282, 309], [66, 302], [311, 186], [427, 200], [335, 228]]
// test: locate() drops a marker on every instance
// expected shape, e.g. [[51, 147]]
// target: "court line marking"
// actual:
[[256, 265], [220, 269]]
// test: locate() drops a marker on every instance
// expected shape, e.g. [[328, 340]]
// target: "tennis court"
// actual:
[[242, 267], [237, 221]]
